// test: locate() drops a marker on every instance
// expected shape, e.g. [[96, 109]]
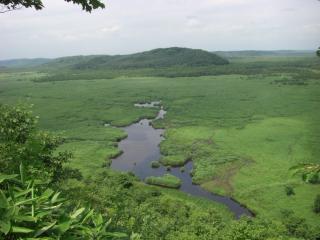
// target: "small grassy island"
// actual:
[[155, 164], [166, 180]]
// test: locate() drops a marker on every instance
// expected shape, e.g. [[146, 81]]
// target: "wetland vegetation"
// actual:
[[166, 180], [242, 120]]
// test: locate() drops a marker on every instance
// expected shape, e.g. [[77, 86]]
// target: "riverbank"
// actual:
[[141, 148]]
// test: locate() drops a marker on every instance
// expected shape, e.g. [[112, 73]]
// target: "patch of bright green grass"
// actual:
[[92, 147], [195, 144], [273, 146], [166, 180], [174, 160]]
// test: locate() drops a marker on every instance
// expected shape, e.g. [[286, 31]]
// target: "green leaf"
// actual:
[[44, 229], [89, 214], [4, 177], [115, 234], [107, 223], [98, 220], [16, 229], [5, 226], [77, 213], [21, 168], [48, 192], [25, 218], [43, 213], [53, 207], [63, 227], [21, 193], [11, 194], [40, 238], [55, 197], [3, 200], [28, 201]]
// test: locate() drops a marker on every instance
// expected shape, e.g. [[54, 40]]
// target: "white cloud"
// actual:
[[135, 25], [193, 22], [113, 28]]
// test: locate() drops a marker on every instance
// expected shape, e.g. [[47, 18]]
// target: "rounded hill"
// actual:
[[157, 58]]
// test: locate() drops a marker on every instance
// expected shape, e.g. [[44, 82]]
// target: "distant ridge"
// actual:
[[157, 58], [23, 62], [260, 53]]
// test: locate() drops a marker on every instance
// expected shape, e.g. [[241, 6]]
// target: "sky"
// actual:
[[128, 26]]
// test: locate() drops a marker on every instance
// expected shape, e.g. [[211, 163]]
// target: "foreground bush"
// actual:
[[22, 142], [30, 210]]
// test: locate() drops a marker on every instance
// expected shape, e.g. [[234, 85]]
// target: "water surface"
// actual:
[[141, 147]]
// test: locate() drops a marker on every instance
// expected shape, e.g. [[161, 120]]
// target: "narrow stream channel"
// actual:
[[141, 147]]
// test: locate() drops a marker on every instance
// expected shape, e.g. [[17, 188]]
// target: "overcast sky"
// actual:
[[128, 26]]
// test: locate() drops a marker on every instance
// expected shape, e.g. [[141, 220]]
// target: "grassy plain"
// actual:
[[243, 131]]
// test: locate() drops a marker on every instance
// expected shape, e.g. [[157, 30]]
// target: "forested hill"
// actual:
[[162, 57]]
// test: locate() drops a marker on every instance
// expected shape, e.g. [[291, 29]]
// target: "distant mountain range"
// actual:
[[254, 53], [157, 58], [23, 62]]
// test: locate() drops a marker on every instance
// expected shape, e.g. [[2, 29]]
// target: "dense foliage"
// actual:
[[29, 209], [20, 142], [156, 215]]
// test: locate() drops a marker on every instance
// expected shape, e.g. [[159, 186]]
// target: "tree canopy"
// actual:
[[9, 5]]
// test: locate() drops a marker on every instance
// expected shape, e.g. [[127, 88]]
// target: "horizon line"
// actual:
[[212, 51]]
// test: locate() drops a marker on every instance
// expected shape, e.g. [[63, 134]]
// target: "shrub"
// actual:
[[289, 190], [316, 205], [21, 142], [124, 180], [296, 226], [155, 164], [312, 178], [310, 172]]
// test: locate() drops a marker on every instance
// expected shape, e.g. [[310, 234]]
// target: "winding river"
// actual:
[[141, 147]]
